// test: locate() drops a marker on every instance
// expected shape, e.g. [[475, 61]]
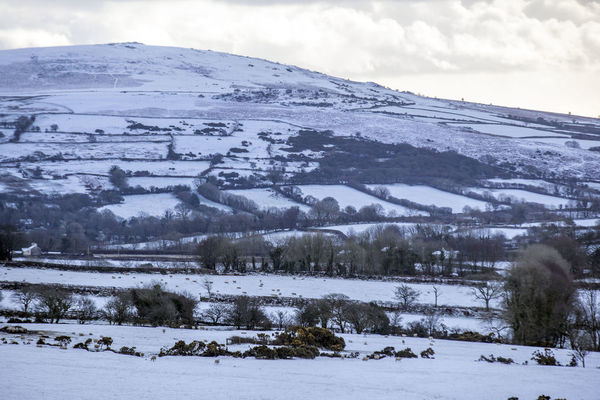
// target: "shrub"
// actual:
[[105, 341], [63, 340], [310, 336], [305, 351], [427, 353], [85, 345], [262, 352], [406, 353], [492, 359], [130, 351], [285, 353], [545, 358], [214, 349], [386, 352], [195, 348]]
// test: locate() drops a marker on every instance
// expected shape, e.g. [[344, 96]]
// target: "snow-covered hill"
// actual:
[[168, 112]]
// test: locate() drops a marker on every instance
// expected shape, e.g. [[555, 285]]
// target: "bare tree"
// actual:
[[497, 326], [25, 297], [588, 316], [54, 303], [432, 322], [281, 319], [86, 309], [436, 294], [487, 292], [208, 286], [119, 309], [216, 312], [581, 345], [337, 306], [406, 295]]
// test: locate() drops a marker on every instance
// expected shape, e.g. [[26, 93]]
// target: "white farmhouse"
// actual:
[[32, 250]]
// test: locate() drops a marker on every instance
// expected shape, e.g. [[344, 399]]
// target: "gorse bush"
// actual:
[[545, 358], [310, 336]]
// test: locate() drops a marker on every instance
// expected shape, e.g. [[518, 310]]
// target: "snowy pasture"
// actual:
[[251, 285], [163, 168], [357, 229], [150, 204], [524, 196], [581, 143], [509, 130], [268, 198], [347, 196], [148, 182], [427, 195], [454, 373]]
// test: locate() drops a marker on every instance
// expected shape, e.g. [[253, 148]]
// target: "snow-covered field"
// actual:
[[147, 182], [347, 196], [150, 204], [520, 196], [356, 229], [427, 195], [509, 131], [124, 104], [454, 373], [578, 143], [251, 285], [268, 198]]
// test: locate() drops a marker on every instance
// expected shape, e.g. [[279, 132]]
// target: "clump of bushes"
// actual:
[[63, 340], [194, 348], [261, 338], [130, 351], [282, 353], [406, 353], [105, 341], [391, 352], [427, 353], [310, 336], [197, 348], [493, 359], [83, 345], [545, 358]]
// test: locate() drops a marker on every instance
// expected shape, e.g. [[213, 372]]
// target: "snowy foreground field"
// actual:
[[454, 373]]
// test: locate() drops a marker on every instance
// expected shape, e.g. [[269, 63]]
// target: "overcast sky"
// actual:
[[542, 54]]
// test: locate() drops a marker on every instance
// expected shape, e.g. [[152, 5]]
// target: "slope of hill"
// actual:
[[67, 114]]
